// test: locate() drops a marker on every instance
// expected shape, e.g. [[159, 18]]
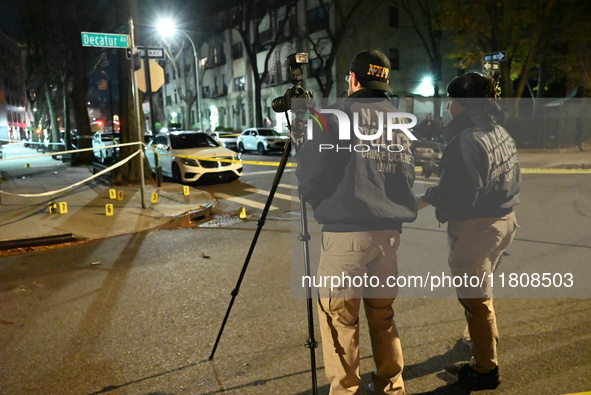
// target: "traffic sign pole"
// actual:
[[149, 91], [137, 107]]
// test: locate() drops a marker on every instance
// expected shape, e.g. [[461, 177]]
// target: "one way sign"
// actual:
[[497, 56], [156, 53]]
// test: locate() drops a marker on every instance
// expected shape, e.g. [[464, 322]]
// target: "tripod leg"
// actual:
[[311, 343], [261, 223]]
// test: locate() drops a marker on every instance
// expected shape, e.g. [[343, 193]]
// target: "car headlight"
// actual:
[[189, 162]]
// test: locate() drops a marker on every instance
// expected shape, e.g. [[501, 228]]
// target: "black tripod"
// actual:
[[303, 237]]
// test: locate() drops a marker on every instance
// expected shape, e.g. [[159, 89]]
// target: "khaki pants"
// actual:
[[358, 254], [476, 249]]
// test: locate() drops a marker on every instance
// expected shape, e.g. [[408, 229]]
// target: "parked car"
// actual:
[[261, 140], [105, 139], [227, 139], [181, 156], [426, 151]]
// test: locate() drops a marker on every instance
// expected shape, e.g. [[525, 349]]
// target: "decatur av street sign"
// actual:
[[105, 40]]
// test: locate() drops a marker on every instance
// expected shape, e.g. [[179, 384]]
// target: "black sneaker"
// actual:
[[472, 380]]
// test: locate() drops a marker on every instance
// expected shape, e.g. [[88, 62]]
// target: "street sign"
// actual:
[[498, 56], [156, 77], [489, 65], [156, 53], [105, 40]]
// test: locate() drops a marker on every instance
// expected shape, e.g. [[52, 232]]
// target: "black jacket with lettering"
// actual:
[[355, 186], [479, 172]]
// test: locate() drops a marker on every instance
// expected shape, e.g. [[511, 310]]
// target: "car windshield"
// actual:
[[191, 140], [268, 132]]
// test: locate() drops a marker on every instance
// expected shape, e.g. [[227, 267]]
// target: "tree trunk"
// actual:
[[54, 135], [130, 172]]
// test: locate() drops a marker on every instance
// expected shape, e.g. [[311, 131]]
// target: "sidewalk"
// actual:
[[24, 219]]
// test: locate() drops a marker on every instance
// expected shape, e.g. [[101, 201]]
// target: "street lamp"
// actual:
[[167, 28]]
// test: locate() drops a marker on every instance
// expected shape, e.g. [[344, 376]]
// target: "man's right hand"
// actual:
[[422, 203]]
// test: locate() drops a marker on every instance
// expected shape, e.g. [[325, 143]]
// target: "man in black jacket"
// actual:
[[478, 188], [361, 193]]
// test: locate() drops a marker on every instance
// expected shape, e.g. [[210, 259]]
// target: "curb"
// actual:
[[37, 241], [186, 219]]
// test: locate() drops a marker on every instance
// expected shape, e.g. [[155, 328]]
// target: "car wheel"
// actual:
[[176, 173], [261, 149], [241, 148]]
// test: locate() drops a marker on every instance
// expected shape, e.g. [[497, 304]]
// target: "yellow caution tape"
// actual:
[[556, 171], [418, 169], [246, 162]]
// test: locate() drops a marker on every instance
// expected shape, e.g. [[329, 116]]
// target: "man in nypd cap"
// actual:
[[361, 195]]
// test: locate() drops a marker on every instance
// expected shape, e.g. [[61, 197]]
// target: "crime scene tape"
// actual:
[[556, 171], [68, 152], [210, 159], [418, 169], [100, 173]]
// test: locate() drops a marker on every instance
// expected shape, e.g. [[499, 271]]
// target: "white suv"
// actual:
[[261, 140]]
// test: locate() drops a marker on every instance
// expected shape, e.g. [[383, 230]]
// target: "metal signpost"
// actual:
[[491, 61], [110, 40]]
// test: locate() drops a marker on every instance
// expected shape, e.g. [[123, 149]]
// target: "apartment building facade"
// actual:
[[227, 83], [13, 102]]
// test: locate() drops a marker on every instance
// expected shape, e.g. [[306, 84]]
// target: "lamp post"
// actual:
[[167, 28]]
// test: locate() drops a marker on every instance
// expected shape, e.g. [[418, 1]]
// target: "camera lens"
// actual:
[[280, 104]]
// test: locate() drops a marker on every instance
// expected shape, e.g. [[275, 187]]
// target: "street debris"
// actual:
[[220, 220]]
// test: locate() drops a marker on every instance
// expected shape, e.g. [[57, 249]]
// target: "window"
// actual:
[[239, 83], [266, 36], [237, 51], [191, 140], [293, 26], [161, 140], [393, 17], [394, 59], [317, 19]]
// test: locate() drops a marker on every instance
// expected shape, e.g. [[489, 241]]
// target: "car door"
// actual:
[[254, 139], [248, 140], [161, 146]]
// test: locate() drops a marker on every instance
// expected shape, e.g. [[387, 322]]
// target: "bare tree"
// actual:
[[184, 78], [249, 16], [332, 37]]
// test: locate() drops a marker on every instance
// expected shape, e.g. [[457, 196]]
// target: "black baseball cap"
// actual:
[[372, 68]]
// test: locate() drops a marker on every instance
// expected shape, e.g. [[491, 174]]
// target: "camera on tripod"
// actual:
[[295, 64]]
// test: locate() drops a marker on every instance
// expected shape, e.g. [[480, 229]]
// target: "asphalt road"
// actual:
[[138, 314]]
